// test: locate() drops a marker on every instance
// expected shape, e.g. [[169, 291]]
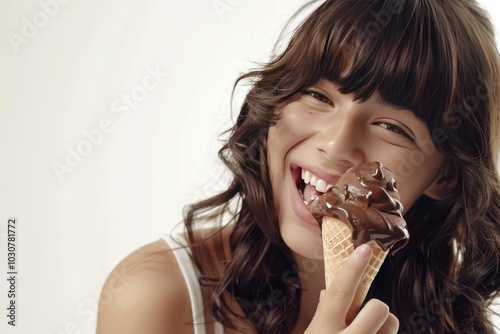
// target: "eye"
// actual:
[[396, 129], [318, 96]]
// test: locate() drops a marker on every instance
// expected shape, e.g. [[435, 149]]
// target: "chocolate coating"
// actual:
[[367, 200]]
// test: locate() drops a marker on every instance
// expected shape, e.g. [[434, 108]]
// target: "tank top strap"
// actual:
[[191, 274]]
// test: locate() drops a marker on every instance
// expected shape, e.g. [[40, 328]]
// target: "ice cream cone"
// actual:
[[337, 246]]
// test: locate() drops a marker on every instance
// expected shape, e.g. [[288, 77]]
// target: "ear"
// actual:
[[444, 183]]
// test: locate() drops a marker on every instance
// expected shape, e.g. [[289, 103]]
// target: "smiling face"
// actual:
[[321, 133]]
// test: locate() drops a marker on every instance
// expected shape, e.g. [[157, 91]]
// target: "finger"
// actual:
[[339, 295], [371, 318], [390, 326]]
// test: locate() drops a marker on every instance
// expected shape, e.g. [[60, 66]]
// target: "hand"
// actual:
[[330, 316]]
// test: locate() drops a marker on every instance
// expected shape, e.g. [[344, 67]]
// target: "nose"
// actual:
[[341, 141]]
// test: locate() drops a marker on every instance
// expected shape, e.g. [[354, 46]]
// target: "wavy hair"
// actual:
[[436, 58]]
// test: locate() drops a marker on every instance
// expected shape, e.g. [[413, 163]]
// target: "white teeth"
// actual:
[[313, 181], [319, 184], [306, 176]]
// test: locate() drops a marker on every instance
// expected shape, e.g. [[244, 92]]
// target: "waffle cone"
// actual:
[[337, 246]]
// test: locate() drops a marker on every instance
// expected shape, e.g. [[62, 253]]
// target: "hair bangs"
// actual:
[[405, 50], [390, 47]]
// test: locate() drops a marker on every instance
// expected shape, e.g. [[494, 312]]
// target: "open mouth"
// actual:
[[310, 185]]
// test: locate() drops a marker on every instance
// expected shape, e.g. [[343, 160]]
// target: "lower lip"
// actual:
[[300, 208]]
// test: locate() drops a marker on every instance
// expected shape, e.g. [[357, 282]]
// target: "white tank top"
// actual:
[[191, 274]]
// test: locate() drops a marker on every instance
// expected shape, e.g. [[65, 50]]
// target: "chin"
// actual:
[[302, 239]]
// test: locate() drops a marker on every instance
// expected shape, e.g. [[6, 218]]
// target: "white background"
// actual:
[[63, 78]]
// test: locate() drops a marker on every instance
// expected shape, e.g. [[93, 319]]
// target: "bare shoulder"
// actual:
[[145, 293]]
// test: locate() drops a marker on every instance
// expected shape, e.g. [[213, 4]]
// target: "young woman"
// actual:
[[413, 84]]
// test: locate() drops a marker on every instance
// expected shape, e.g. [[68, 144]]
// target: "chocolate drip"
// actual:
[[367, 200]]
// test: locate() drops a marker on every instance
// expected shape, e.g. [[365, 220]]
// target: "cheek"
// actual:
[[286, 131], [295, 125], [293, 128], [414, 177], [281, 138], [409, 193], [415, 185]]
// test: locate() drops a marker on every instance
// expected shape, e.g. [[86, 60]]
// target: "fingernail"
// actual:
[[322, 295], [363, 250]]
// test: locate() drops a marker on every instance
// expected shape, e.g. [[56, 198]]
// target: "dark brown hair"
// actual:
[[436, 58]]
